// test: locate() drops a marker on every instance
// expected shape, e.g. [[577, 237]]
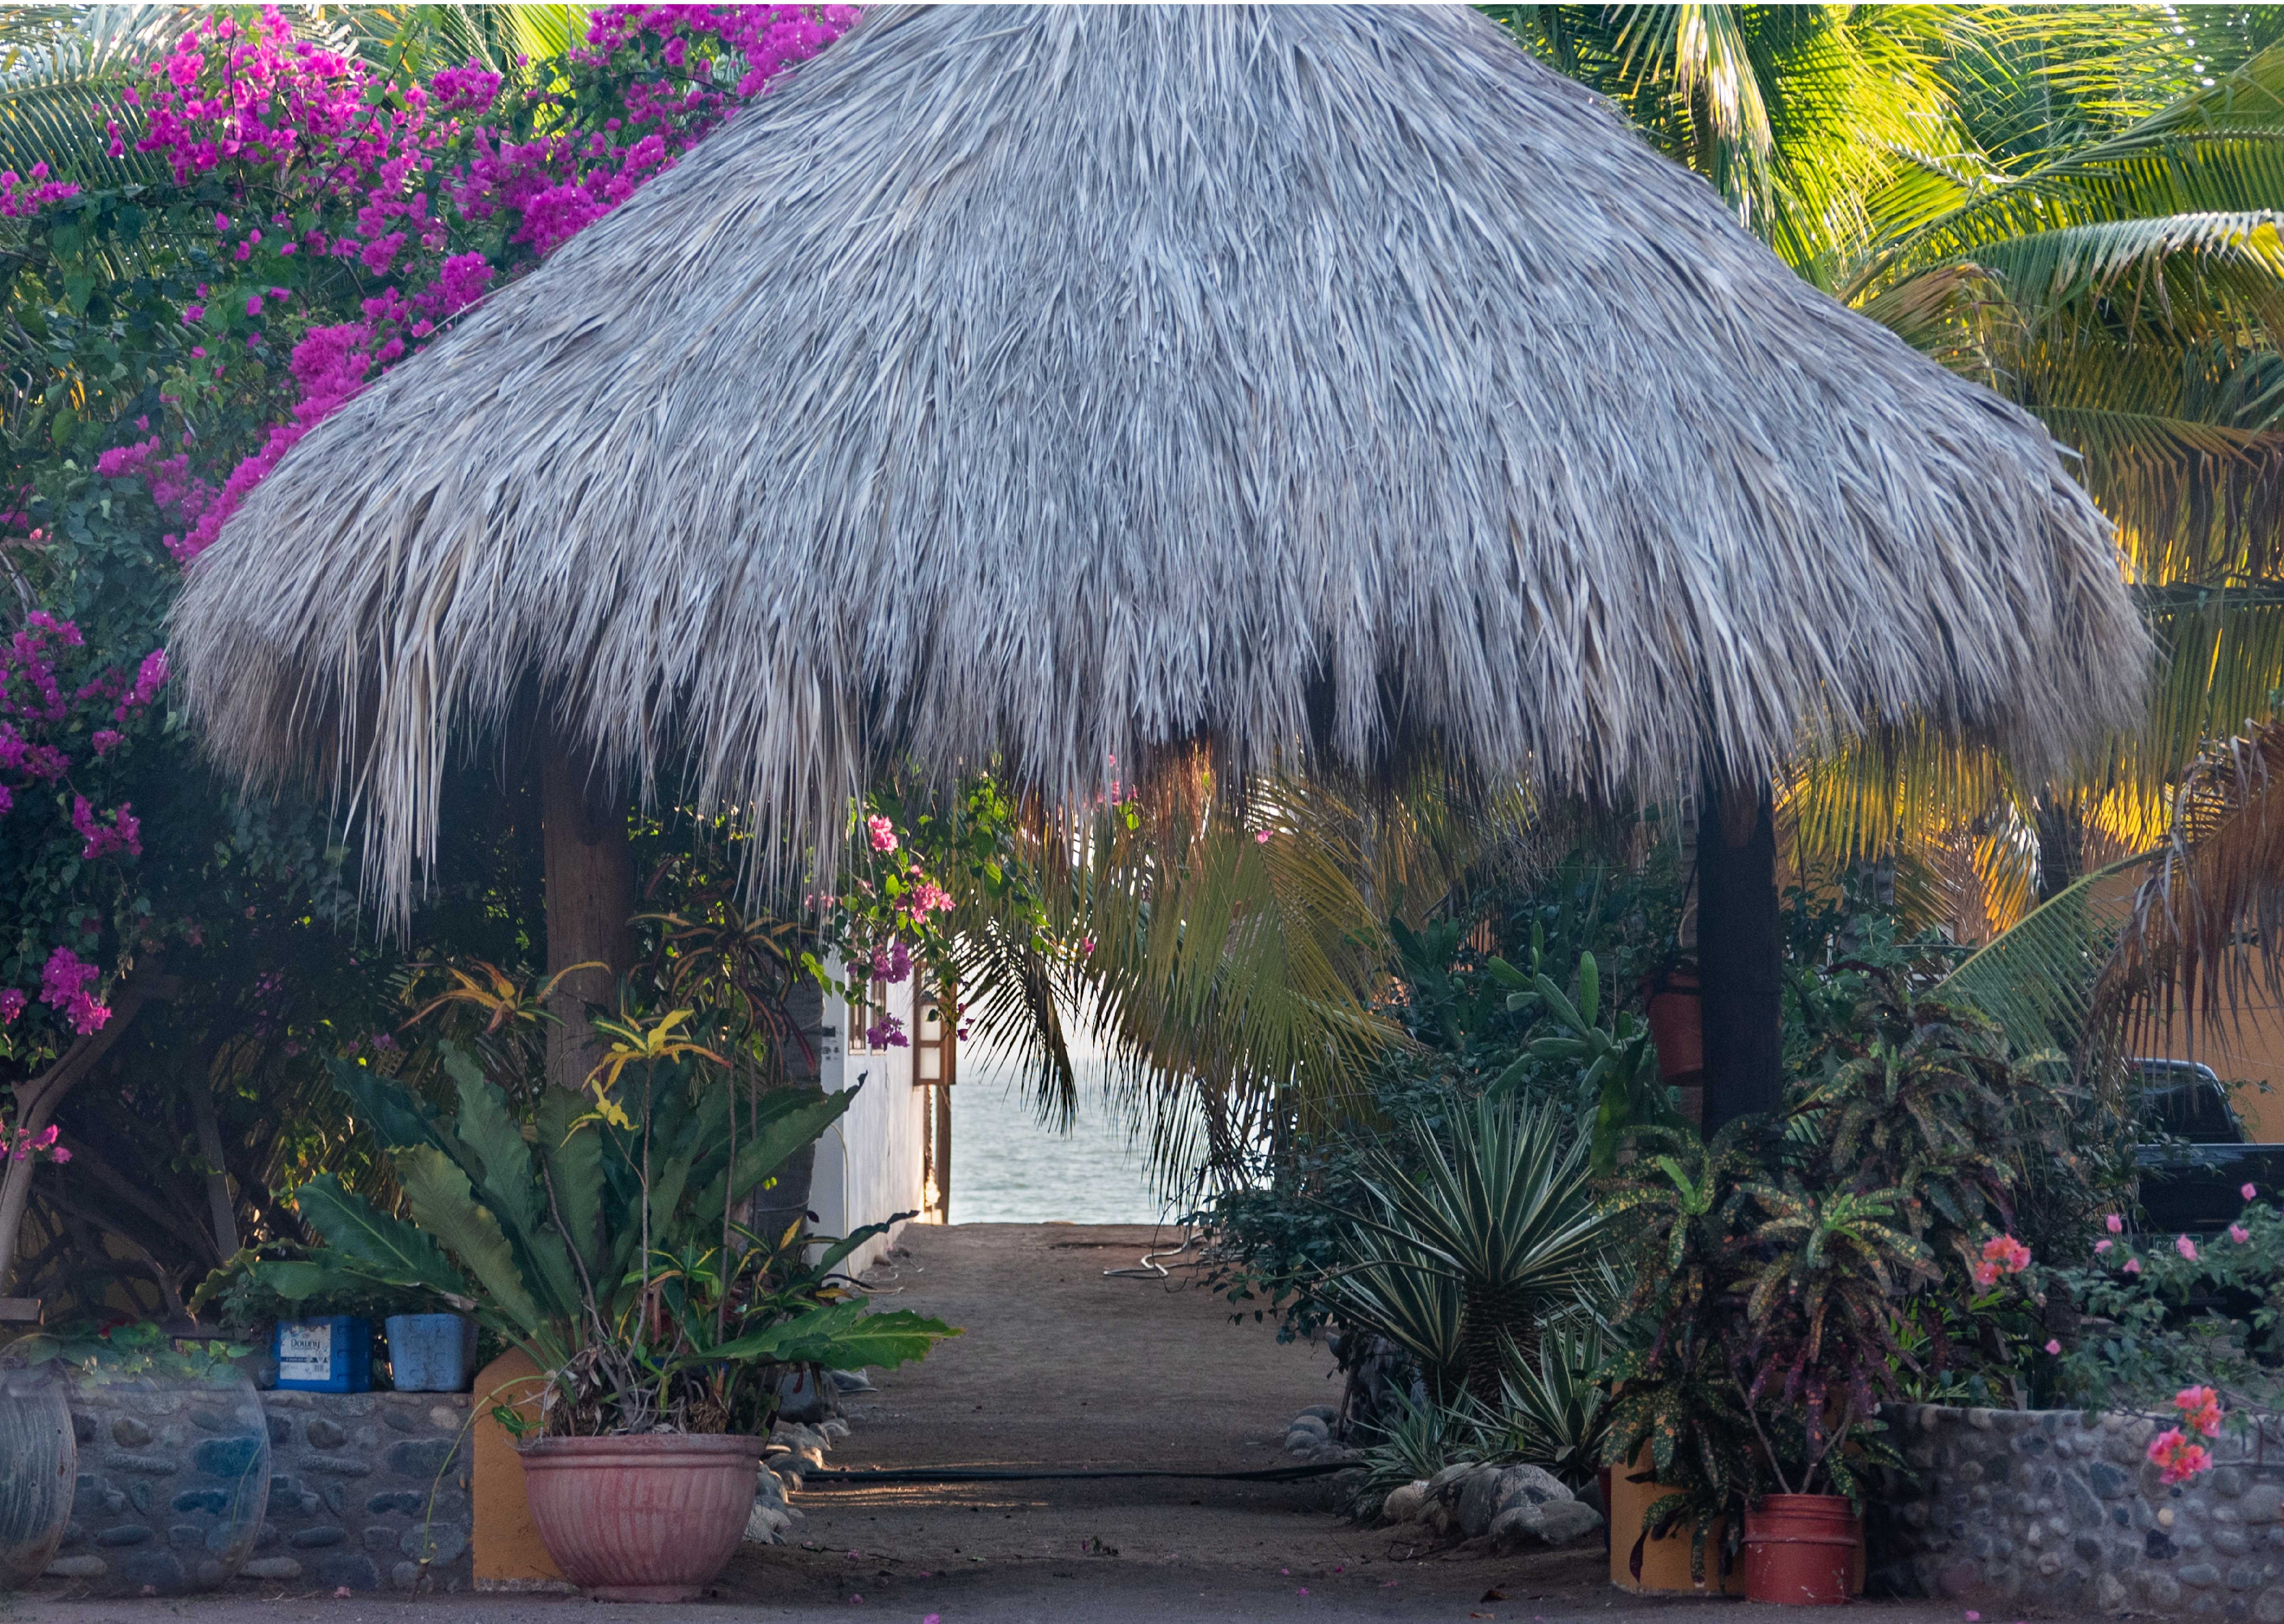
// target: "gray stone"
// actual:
[[2087, 1547], [2106, 1481], [77, 1567], [1480, 1500], [1305, 1422], [2242, 1576], [230, 1458], [1323, 1412], [2260, 1503], [399, 1419], [2198, 1575], [404, 1575], [1449, 1475], [272, 1568], [318, 1537], [323, 1435], [125, 1533], [1553, 1522], [2162, 1589], [1405, 1504], [126, 1433], [379, 1536], [2225, 1482], [2269, 1609], [156, 1466], [338, 1465], [2108, 1594], [403, 1502], [2232, 1542], [424, 1458]]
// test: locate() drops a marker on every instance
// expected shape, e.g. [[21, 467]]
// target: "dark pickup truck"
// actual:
[[2199, 1158]]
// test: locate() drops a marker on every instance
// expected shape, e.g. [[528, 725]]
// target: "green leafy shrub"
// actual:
[[597, 1239]]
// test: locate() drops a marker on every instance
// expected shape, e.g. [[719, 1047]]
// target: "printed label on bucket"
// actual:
[[305, 1352]]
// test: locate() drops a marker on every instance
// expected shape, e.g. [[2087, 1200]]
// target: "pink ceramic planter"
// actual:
[[650, 1518]]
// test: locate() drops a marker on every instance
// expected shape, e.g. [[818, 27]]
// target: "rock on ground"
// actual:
[[1556, 1522]]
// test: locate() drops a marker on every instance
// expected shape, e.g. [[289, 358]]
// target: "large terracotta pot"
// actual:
[[649, 1519], [39, 1462], [1801, 1549]]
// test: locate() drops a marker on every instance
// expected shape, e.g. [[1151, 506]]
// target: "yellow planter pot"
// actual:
[[1665, 1562]]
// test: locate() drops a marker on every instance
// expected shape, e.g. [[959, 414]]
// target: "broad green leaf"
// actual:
[[444, 1204], [387, 1249], [784, 1129]]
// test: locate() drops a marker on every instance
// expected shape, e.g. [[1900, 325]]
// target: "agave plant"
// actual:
[[1503, 1216], [587, 1236]]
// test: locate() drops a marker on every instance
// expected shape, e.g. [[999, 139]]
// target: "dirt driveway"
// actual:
[[1060, 1367]]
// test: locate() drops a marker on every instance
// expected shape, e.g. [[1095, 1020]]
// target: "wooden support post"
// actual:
[[1739, 953], [590, 897]]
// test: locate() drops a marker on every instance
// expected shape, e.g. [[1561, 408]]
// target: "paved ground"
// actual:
[[1061, 1367]]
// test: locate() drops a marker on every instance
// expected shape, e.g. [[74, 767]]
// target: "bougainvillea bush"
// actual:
[[304, 221]]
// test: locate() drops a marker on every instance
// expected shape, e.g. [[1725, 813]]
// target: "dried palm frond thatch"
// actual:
[[1064, 386]]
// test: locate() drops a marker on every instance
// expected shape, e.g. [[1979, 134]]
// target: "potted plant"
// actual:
[[1790, 1274], [598, 1232]]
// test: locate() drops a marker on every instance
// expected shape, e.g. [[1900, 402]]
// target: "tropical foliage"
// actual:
[[602, 1244]]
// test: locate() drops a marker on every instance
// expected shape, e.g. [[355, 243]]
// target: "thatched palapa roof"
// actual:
[[1062, 384]]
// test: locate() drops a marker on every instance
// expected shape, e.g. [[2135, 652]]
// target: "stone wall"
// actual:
[[177, 1487], [2063, 1512]]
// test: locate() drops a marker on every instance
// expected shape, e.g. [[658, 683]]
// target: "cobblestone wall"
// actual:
[[178, 1488], [2062, 1510]]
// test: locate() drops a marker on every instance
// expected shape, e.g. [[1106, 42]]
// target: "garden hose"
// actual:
[[1150, 1268]]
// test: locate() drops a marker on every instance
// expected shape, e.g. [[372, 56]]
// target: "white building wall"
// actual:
[[870, 1164]]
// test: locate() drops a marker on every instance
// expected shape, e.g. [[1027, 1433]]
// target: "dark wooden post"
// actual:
[[1739, 953], [590, 897]]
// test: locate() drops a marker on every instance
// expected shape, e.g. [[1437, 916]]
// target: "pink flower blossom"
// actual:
[[2187, 1247], [2200, 1408], [2238, 1233], [2114, 1224], [881, 832], [11, 1004], [2249, 1190], [2053, 1345], [2102, 1247], [63, 986], [2133, 1266]]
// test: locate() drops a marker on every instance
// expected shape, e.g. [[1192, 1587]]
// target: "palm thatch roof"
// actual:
[[1064, 385]]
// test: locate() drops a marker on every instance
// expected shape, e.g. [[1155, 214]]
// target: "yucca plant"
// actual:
[[1502, 1214], [1553, 1410], [587, 1235]]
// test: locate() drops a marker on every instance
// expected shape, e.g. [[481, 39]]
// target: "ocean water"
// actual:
[[1008, 1169]]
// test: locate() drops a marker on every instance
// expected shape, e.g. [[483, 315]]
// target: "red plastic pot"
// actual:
[[650, 1518], [1799, 1549], [1677, 1026]]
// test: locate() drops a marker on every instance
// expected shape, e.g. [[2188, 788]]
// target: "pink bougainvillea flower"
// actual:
[[2200, 1408], [1261, 837], [11, 1004], [2187, 1247], [2053, 1345], [2249, 1190], [2133, 1266], [2238, 1233], [882, 833], [2114, 1224], [2103, 1245]]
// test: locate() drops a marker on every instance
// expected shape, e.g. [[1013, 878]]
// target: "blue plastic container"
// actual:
[[432, 1352], [333, 1355]]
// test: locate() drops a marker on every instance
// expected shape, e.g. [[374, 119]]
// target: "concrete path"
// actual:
[[1062, 1368]]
